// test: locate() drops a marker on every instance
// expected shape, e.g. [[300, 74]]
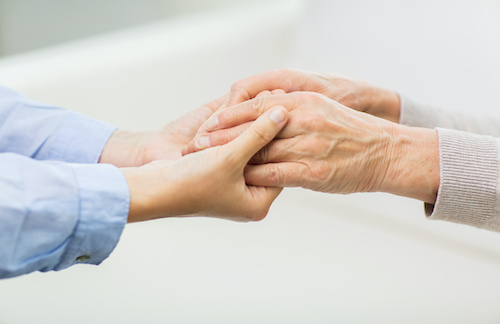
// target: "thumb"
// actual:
[[259, 134]]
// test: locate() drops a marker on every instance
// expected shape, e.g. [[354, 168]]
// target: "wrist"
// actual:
[[124, 149], [383, 103], [413, 164], [141, 189], [157, 191]]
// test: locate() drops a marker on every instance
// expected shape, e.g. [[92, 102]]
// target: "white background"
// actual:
[[316, 258]]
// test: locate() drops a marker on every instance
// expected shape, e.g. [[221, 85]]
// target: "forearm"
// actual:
[[413, 168], [455, 173], [150, 197], [125, 149], [380, 102], [46, 132]]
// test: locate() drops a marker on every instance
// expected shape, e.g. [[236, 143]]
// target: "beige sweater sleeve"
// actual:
[[469, 164]]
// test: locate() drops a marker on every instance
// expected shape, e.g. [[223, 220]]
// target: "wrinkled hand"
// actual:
[[349, 92], [331, 148], [352, 93], [128, 149], [207, 183]]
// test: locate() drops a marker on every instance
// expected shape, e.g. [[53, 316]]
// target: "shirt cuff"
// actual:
[[103, 214], [80, 140], [468, 180]]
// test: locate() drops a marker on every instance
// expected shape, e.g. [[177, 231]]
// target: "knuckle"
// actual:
[[314, 98], [312, 121], [262, 135], [240, 89], [264, 93], [224, 137], [235, 87], [274, 176], [217, 138], [256, 106], [319, 171]]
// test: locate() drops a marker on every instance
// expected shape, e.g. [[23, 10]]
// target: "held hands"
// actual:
[[355, 94], [208, 183], [325, 146], [328, 147]]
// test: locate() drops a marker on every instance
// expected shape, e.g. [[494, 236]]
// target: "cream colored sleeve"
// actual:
[[469, 190]]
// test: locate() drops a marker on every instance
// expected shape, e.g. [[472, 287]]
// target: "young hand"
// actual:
[[130, 149], [207, 183]]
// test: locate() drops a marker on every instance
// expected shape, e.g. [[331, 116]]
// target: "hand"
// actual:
[[352, 93], [328, 147], [349, 92], [129, 149], [207, 183]]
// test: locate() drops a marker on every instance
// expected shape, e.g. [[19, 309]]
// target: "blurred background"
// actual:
[[29, 24], [316, 258]]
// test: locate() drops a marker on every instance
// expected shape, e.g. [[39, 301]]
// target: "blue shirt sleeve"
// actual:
[[54, 214], [44, 132]]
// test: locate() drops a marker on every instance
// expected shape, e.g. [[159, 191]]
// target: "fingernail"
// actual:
[[212, 123], [202, 142], [277, 116]]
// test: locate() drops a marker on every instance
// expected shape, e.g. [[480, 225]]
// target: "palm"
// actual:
[[168, 143]]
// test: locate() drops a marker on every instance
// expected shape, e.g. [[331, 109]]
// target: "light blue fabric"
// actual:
[[53, 212]]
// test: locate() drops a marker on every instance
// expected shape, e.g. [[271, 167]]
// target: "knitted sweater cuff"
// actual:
[[469, 177]]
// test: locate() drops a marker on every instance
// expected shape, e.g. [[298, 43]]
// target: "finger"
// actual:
[[278, 150], [263, 94], [250, 110], [223, 107], [278, 91], [223, 136], [286, 79], [261, 132], [212, 108], [286, 174], [216, 104], [203, 113]]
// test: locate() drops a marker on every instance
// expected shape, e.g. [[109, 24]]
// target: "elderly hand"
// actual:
[[129, 149], [349, 92], [328, 147], [352, 93], [207, 183]]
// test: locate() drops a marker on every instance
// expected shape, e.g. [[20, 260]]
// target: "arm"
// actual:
[[363, 97], [54, 215], [45, 132]]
